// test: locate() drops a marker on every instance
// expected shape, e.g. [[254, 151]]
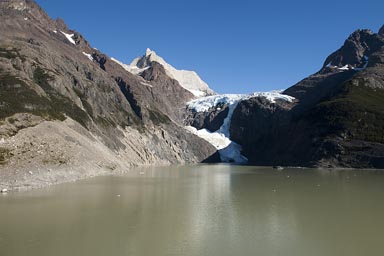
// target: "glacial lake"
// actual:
[[203, 210]]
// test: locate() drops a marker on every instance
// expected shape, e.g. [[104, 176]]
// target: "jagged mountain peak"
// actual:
[[149, 52], [189, 80], [145, 61], [356, 51]]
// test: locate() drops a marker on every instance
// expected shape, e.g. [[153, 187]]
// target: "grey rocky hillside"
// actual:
[[54, 84]]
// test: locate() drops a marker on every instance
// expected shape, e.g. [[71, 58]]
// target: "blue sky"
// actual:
[[235, 46]]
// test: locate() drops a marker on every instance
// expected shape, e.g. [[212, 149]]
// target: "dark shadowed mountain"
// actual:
[[337, 119]]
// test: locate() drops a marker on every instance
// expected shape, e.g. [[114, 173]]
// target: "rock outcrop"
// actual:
[[212, 119]]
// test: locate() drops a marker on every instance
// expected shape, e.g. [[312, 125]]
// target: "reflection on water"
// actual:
[[200, 210]]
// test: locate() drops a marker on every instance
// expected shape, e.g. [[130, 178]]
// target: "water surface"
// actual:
[[200, 210]]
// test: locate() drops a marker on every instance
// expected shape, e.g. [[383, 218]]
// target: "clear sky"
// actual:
[[237, 46]]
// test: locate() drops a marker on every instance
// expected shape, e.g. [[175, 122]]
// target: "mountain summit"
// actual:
[[189, 80]]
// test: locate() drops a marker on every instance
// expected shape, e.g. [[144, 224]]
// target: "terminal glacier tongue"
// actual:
[[229, 150]]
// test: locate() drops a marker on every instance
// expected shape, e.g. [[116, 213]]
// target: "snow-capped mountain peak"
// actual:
[[189, 80], [149, 52]]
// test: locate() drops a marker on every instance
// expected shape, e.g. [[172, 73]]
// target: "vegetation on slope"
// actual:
[[357, 112], [17, 97]]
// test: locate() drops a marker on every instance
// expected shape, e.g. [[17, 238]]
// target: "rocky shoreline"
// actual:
[[54, 152]]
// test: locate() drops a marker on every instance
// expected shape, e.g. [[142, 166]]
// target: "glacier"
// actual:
[[229, 151]]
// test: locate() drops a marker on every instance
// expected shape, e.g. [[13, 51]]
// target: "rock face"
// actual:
[[338, 119], [211, 120], [49, 73], [256, 121], [359, 45]]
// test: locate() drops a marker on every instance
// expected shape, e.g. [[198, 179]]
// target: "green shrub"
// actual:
[[10, 53], [42, 78], [17, 97], [157, 117], [357, 111], [4, 155]]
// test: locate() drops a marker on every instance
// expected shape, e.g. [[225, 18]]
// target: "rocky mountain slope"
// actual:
[[68, 111], [335, 117]]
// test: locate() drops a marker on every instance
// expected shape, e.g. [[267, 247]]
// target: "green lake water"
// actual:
[[200, 210]]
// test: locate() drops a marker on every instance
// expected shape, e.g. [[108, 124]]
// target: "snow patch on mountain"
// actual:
[[69, 37], [350, 67], [229, 150], [345, 67], [135, 71], [89, 56], [20, 6], [189, 80], [125, 66]]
